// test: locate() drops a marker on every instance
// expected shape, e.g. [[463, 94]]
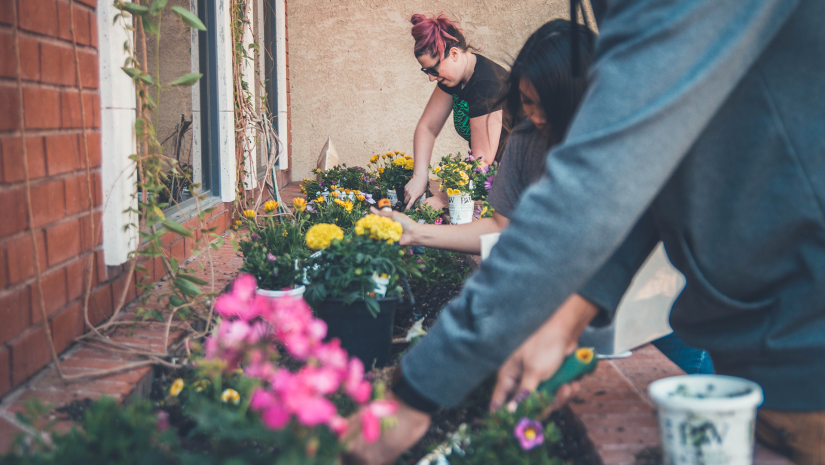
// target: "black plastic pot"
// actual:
[[362, 335], [400, 192]]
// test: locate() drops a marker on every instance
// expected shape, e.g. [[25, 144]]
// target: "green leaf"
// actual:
[[147, 79], [173, 262], [176, 301], [192, 279], [157, 7], [149, 26], [187, 287], [139, 10], [176, 228], [132, 72], [189, 18], [187, 80]]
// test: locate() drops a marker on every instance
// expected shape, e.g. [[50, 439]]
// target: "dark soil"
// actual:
[[75, 410], [650, 456]]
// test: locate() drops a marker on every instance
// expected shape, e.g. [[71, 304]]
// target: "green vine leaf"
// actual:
[[193, 279], [187, 80], [149, 26], [157, 7], [187, 287], [131, 72], [176, 228], [189, 18], [176, 301], [138, 10], [147, 79]]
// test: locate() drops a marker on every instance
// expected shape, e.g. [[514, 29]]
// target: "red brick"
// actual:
[[117, 289], [70, 109], [5, 373], [63, 241], [21, 256], [62, 153], [29, 58], [8, 101], [14, 212], [4, 270], [93, 29], [57, 63], [77, 196], [81, 21], [13, 158], [67, 325], [100, 304], [14, 313], [54, 295], [93, 143], [145, 275], [88, 69], [178, 251], [91, 3], [85, 231], [6, 16], [29, 353], [41, 108], [76, 273], [38, 16], [160, 269], [48, 203]]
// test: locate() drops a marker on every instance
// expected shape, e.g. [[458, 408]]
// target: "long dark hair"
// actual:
[[545, 62]]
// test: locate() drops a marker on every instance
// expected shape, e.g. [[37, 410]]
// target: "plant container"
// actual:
[[295, 292], [461, 208], [362, 335]]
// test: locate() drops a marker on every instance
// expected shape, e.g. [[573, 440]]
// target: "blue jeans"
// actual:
[[690, 359]]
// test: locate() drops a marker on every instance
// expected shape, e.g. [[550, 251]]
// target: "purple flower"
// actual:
[[529, 433], [321, 183], [254, 237], [470, 152], [477, 211], [343, 164], [368, 198], [470, 157], [488, 184], [438, 220], [271, 258], [485, 169], [311, 208], [162, 420]]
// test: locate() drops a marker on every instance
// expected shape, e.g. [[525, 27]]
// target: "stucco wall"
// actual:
[[354, 77]]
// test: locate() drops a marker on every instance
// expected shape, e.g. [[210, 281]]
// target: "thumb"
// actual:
[[529, 382], [506, 383], [378, 212]]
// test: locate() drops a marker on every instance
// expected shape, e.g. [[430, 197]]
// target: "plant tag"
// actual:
[[461, 208], [380, 285], [392, 196]]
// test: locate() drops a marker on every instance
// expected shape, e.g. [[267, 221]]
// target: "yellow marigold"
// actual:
[[334, 193], [334, 187], [319, 200], [176, 387], [374, 159], [451, 191], [384, 156], [347, 191], [249, 214], [238, 222], [321, 235], [380, 170], [436, 169], [397, 152], [360, 197], [339, 202], [379, 228], [300, 204], [303, 190], [407, 157], [403, 153], [356, 192], [284, 234], [231, 395], [270, 206], [348, 205], [389, 154]]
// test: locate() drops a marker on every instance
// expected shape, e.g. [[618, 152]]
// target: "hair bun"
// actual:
[[417, 18]]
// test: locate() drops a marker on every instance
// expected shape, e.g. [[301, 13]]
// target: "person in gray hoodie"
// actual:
[[703, 127]]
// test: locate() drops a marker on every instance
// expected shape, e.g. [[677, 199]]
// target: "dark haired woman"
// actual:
[[469, 85]]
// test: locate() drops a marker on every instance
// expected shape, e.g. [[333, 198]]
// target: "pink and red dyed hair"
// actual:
[[436, 35]]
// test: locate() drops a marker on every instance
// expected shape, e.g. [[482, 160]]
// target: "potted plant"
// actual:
[[456, 180], [341, 207], [394, 170], [354, 178], [355, 284], [273, 252]]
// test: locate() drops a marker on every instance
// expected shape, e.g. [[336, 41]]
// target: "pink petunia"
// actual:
[[371, 418], [338, 425], [529, 433], [315, 411]]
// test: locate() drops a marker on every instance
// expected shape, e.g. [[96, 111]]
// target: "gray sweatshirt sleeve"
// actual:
[[662, 70]]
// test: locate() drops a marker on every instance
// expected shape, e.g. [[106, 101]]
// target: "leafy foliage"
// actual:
[[437, 267], [274, 250], [392, 169]]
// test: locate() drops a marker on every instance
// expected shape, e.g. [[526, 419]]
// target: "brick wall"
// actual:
[[58, 188]]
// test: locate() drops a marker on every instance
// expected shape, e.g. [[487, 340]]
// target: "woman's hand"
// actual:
[[410, 226], [414, 190], [540, 356], [410, 426]]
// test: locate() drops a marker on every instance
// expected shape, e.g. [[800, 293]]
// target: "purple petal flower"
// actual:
[[488, 184], [369, 199], [529, 433], [254, 237], [321, 183], [271, 258], [162, 420], [470, 152], [470, 157], [485, 169], [311, 208], [343, 164]]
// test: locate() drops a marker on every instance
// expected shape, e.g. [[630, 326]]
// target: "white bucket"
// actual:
[[461, 208], [707, 419], [296, 292], [380, 285]]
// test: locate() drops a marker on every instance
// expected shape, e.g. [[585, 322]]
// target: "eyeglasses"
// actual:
[[432, 70]]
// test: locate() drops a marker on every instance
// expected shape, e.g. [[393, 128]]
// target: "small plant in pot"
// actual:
[[456, 176], [274, 251], [394, 170], [355, 284]]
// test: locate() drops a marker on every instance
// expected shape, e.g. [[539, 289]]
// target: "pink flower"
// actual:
[[354, 383], [332, 355], [438, 220], [162, 420], [338, 425], [315, 411], [242, 302], [529, 433], [322, 380], [371, 418], [275, 416]]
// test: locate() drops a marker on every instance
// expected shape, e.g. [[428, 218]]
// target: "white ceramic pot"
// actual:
[[296, 292], [707, 419], [461, 208]]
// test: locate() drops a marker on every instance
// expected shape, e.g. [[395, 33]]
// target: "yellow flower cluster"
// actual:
[[407, 163], [176, 387], [345, 205], [379, 228], [231, 395], [270, 206], [321, 235], [319, 200], [249, 214], [299, 203], [390, 155], [453, 191]]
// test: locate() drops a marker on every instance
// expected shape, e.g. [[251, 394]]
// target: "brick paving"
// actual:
[[613, 403]]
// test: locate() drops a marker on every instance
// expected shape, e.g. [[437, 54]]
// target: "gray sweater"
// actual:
[[703, 127]]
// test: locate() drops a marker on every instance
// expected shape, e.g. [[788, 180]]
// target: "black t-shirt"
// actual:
[[480, 96]]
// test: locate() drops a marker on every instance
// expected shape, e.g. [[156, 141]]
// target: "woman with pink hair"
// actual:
[[469, 85]]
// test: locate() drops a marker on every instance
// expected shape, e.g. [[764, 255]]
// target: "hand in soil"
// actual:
[[540, 356], [410, 426]]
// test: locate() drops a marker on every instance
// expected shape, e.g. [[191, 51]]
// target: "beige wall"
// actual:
[[354, 77]]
